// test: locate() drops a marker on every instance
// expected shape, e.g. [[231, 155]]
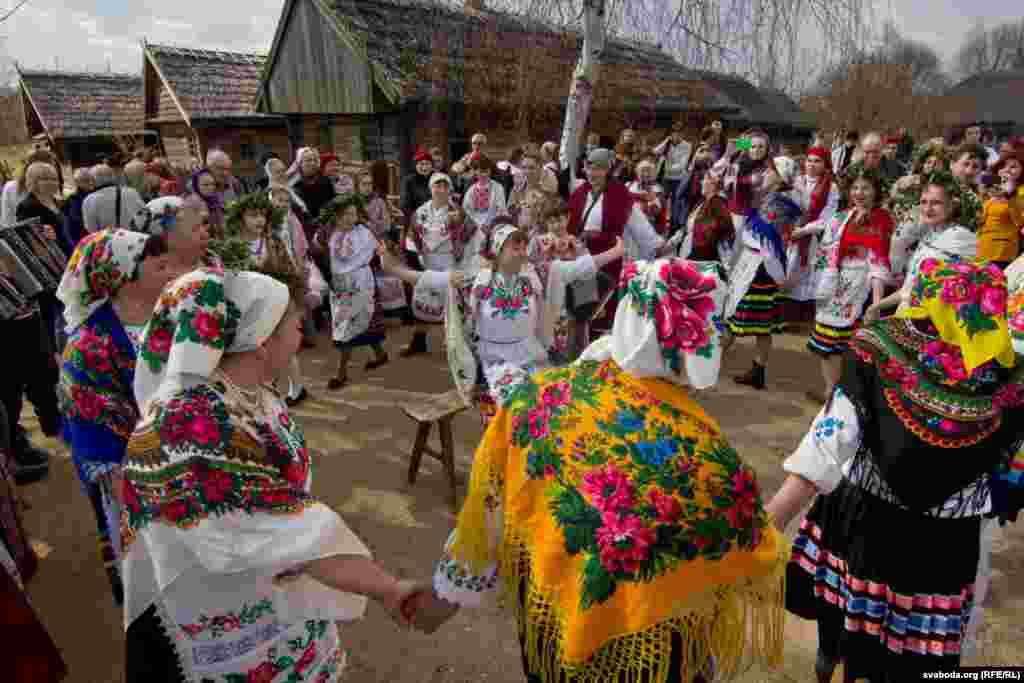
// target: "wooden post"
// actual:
[[294, 125]]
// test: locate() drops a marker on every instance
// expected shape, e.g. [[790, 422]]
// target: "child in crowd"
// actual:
[[485, 198], [356, 317], [263, 224], [582, 296]]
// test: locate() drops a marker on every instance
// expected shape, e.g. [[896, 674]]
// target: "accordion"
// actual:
[[33, 265]]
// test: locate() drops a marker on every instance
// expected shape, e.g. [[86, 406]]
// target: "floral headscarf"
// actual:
[[497, 241], [668, 323], [199, 318], [101, 264], [967, 305]]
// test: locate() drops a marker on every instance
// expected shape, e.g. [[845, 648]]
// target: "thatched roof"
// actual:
[[83, 105], [423, 50], [209, 84], [989, 97]]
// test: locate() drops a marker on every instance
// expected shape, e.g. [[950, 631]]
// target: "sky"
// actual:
[[89, 35]]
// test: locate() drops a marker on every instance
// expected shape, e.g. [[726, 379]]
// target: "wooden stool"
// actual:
[[440, 409]]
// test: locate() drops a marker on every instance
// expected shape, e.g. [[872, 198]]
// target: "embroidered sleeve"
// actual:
[[904, 239], [639, 229], [468, 572], [194, 476], [878, 268], [577, 269], [833, 440]]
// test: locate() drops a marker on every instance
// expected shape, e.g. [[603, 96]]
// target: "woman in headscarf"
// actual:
[[109, 289], [754, 306], [330, 168], [233, 570], [817, 194], [441, 237], [851, 270], [919, 442], [905, 196], [939, 234], [500, 320], [356, 317], [311, 186], [625, 532], [30, 655], [203, 184], [184, 222]]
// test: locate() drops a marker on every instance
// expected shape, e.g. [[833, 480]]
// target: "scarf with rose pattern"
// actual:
[[628, 521]]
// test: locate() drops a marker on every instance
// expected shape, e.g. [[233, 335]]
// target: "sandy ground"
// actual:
[[364, 440]]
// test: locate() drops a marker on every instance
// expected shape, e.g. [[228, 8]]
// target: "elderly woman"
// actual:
[[939, 234], [184, 222], [919, 442], [611, 510], [204, 184], [221, 528], [109, 289], [311, 186]]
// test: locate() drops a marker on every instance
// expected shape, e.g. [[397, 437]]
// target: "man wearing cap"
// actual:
[[601, 210]]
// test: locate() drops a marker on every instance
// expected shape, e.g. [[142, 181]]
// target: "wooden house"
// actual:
[[375, 79], [200, 100], [990, 99], [81, 115], [773, 111]]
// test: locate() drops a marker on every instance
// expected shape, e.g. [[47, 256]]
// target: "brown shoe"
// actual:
[[416, 346], [753, 377]]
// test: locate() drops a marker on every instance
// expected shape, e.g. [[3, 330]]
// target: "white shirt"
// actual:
[[676, 159], [100, 207], [9, 202], [638, 235]]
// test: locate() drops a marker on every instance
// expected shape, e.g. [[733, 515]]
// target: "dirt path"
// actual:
[[365, 440]]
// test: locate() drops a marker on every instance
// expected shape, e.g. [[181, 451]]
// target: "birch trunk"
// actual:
[[584, 78]]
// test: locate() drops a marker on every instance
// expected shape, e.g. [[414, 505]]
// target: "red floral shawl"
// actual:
[[872, 234]]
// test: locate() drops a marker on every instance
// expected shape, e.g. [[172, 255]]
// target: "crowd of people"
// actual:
[[583, 307]]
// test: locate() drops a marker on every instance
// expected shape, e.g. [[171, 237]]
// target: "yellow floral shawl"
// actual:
[[627, 519]]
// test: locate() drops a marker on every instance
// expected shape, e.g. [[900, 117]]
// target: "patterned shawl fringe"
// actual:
[[738, 625]]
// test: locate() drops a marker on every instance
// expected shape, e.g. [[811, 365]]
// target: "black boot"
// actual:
[[416, 346], [30, 463], [753, 377], [824, 666]]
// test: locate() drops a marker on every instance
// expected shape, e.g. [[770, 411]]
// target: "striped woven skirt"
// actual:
[[759, 313], [827, 340], [891, 589]]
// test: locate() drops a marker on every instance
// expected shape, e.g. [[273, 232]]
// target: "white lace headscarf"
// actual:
[[668, 322]]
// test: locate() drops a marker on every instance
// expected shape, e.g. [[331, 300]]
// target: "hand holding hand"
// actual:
[[429, 612], [400, 601]]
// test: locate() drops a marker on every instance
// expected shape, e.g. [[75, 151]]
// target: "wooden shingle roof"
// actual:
[[427, 50], [82, 105], [209, 84], [757, 106]]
